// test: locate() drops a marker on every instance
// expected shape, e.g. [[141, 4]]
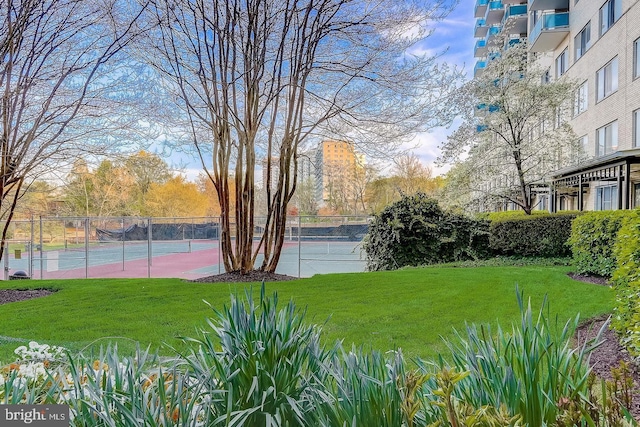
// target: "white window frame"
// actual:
[[607, 139], [609, 14], [581, 101], [607, 80], [582, 42], [606, 198], [562, 63], [636, 128], [636, 58]]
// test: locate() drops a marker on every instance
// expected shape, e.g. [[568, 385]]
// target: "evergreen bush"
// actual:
[[416, 231], [593, 236], [532, 235], [626, 278]]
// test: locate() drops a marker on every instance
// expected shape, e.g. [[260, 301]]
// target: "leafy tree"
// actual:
[[514, 131], [409, 177], [264, 75], [146, 169], [175, 198]]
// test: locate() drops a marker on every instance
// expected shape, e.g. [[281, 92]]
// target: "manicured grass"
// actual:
[[410, 309]]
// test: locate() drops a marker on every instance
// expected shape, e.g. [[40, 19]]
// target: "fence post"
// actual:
[[31, 247], [149, 238], [86, 247], [299, 244], [41, 249], [219, 243], [123, 229], [5, 255]]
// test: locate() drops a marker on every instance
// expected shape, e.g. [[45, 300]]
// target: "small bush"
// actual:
[[534, 235], [416, 231], [593, 236]]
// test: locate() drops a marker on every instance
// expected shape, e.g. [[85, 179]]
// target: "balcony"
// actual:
[[481, 28], [495, 12], [513, 41], [479, 68], [493, 33], [480, 49], [549, 31], [548, 4], [481, 8], [515, 19], [481, 128], [483, 109]]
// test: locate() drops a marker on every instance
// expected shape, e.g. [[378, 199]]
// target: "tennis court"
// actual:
[[82, 255]]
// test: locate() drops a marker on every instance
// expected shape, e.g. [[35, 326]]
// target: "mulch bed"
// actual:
[[251, 276], [610, 353], [13, 295]]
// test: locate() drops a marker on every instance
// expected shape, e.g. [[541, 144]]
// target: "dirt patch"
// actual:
[[609, 355], [13, 295], [251, 276], [587, 278]]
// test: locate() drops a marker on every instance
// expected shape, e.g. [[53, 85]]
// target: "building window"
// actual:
[[609, 13], [582, 41], [636, 58], [607, 198], [607, 138], [636, 128], [607, 79], [583, 144], [562, 63], [580, 102]]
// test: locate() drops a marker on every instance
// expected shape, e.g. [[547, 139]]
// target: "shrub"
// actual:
[[534, 235], [626, 277], [504, 215], [593, 236], [416, 231]]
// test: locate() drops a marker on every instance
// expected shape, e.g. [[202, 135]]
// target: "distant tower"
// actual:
[[334, 161]]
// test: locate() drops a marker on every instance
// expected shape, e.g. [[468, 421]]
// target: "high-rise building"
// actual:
[[336, 161], [597, 44]]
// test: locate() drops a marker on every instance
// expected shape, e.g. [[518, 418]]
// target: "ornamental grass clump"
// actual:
[[269, 368], [526, 371]]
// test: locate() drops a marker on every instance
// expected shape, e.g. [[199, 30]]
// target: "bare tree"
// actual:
[[267, 75], [515, 131], [55, 85]]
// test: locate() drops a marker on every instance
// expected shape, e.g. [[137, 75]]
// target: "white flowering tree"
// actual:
[[514, 132]]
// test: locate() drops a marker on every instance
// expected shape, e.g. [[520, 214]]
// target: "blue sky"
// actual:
[[455, 35]]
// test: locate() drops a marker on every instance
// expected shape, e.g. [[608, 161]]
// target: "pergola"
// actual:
[[619, 167]]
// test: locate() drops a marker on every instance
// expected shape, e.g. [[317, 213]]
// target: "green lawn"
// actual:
[[410, 309]]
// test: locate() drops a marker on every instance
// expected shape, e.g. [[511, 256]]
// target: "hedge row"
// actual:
[[593, 236], [532, 235], [608, 244]]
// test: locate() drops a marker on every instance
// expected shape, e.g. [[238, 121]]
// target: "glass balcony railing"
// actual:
[[492, 32], [549, 21], [480, 66], [495, 5], [480, 48], [515, 11], [480, 128]]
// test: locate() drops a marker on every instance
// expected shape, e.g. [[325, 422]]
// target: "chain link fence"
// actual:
[[189, 248]]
